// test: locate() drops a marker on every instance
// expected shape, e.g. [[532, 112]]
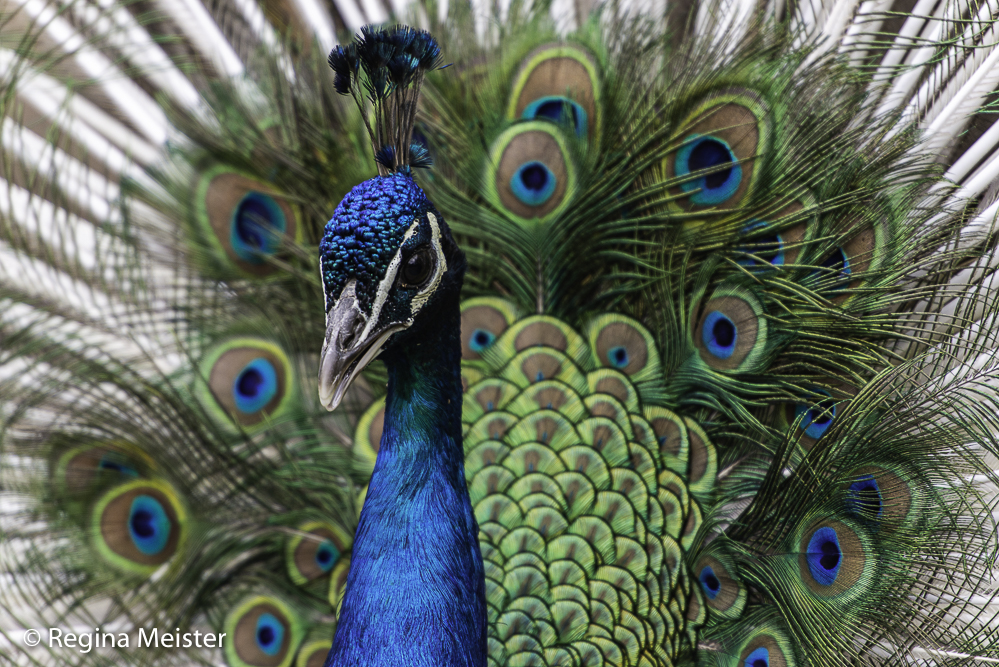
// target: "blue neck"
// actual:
[[416, 591]]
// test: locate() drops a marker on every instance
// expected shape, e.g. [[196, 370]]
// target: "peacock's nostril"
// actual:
[[353, 331]]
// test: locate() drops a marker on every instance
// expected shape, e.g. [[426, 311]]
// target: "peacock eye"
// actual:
[[417, 268]]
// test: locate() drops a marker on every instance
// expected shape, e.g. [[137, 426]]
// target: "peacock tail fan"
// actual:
[[170, 459], [157, 497], [728, 361]]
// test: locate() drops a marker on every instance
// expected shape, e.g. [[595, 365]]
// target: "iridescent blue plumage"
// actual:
[[366, 231], [416, 591]]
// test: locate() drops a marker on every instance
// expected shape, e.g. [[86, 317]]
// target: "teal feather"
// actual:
[[726, 353]]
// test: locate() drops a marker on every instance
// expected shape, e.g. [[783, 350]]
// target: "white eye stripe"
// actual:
[[409, 232], [322, 281], [440, 266], [386, 283], [385, 286]]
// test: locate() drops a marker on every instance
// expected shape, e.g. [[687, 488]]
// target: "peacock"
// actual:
[[522, 333]]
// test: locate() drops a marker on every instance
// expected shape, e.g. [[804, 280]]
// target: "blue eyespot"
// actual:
[[560, 110], [816, 419], [270, 634], [837, 263], [704, 152], [824, 556], [255, 386], [719, 334], [766, 249], [709, 582], [533, 183], [758, 658], [618, 356], [116, 463], [863, 498], [148, 525], [257, 225], [481, 339], [327, 556]]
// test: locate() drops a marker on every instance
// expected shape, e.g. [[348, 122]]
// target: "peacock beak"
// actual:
[[349, 346]]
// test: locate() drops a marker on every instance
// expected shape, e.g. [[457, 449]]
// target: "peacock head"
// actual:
[[388, 263]]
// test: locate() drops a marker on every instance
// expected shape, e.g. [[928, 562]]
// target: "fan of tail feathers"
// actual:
[[728, 358]]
